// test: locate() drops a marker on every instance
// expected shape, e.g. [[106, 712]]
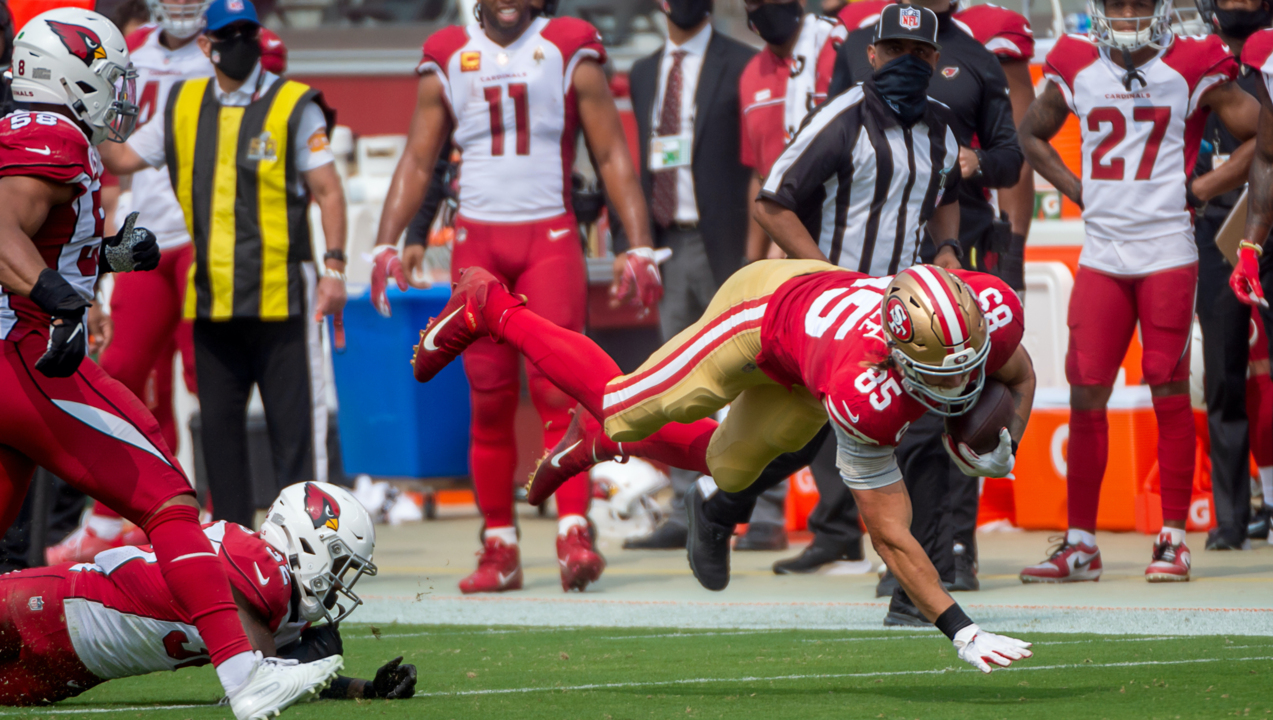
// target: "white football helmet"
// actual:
[[77, 58], [328, 539], [179, 19], [1154, 30]]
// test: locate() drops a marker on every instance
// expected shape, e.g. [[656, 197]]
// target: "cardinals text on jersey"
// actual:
[[515, 114], [51, 147]]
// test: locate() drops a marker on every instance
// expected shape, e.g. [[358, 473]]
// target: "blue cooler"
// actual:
[[391, 425]]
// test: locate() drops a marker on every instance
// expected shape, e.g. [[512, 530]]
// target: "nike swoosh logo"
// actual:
[[556, 461], [503, 579], [849, 412], [261, 578], [39, 151], [428, 339], [557, 234]]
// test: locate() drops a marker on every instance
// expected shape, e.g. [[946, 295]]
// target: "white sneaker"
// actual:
[[276, 684]]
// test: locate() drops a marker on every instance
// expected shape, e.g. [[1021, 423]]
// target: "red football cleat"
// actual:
[[463, 320], [576, 452], [1170, 563], [499, 568], [80, 546], [1068, 563], [580, 564]]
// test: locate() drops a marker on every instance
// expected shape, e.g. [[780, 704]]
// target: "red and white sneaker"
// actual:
[[580, 564], [1170, 563], [1066, 563], [462, 321], [80, 546], [499, 568], [576, 452]]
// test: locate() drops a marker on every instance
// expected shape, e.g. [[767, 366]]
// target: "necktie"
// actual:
[[664, 203]]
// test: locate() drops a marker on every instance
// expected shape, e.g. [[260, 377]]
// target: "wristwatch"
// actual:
[[338, 255]]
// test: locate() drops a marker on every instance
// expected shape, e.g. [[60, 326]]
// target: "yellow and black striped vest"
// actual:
[[235, 177]]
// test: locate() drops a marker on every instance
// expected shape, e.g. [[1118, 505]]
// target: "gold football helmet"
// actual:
[[937, 336]]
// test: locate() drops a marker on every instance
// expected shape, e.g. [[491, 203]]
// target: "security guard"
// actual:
[[246, 151]]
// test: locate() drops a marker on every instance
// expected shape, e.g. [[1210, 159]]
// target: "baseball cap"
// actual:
[[901, 22], [227, 12]]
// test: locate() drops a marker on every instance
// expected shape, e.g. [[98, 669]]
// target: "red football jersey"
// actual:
[[862, 13], [825, 331], [124, 621], [51, 147], [1005, 33]]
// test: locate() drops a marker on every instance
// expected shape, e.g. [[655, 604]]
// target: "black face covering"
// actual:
[[1242, 24], [237, 56], [775, 24], [685, 14], [903, 83]]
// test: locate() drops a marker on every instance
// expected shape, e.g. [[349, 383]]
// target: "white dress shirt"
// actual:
[[695, 49]]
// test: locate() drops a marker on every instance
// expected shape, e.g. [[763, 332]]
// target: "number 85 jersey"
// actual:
[[1139, 145], [515, 113]]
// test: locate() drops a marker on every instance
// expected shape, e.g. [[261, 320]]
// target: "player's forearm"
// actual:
[[406, 193], [757, 238], [786, 230], [1018, 202], [347, 688], [1260, 197], [626, 197], [1047, 162], [1229, 176], [1018, 374], [886, 512], [20, 262]]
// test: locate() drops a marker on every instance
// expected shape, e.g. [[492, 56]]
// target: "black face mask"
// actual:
[[903, 83], [775, 24], [237, 56], [1242, 24], [685, 14]]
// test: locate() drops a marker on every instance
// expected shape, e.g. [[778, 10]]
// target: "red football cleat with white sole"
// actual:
[[581, 565], [462, 321], [1067, 563], [576, 452], [1170, 562], [499, 568], [80, 546]]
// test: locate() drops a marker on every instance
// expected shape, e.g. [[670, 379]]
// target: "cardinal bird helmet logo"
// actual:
[[322, 508], [80, 41]]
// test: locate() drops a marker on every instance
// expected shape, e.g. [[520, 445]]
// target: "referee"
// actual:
[[246, 150], [867, 173]]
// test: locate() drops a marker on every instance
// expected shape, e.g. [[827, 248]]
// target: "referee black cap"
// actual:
[[907, 22]]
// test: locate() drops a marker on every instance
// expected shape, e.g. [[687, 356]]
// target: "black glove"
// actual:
[[1012, 263], [133, 248], [68, 338], [394, 681], [315, 643]]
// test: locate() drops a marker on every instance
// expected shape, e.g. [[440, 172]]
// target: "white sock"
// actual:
[[106, 528], [506, 535], [1266, 483], [1080, 537], [233, 673], [707, 486], [566, 522], [1177, 534]]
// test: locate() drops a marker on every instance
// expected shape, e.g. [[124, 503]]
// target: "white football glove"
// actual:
[[979, 648], [995, 465]]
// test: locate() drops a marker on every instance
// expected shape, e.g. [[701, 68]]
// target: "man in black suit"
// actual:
[[685, 97]]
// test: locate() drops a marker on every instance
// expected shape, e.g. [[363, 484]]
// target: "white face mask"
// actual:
[[1132, 39], [950, 392]]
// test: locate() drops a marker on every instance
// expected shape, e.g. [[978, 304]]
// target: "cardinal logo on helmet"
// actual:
[[80, 41], [323, 509], [899, 321]]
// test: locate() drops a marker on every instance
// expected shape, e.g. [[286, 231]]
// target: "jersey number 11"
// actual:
[[521, 112]]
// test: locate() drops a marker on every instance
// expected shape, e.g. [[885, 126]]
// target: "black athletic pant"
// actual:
[[231, 356]]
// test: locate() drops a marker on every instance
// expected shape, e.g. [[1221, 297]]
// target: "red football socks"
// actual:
[[197, 580], [570, 360], [1089, 452], [1177, 437], [493, 452]]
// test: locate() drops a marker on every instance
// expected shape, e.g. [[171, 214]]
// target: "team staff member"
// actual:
[[245, 151]]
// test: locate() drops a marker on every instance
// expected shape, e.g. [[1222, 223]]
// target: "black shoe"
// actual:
[[903, 613], [811, 560], [1261, 523], [707, 544], [1218, 541], [667, 536], [888, 583], [965, 573], [763, 536]]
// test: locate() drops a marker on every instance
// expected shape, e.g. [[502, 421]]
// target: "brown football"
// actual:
[[979, 427]]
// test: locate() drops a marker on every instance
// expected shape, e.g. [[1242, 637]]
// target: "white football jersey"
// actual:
[[515, 114], [1139, 146], [158, 69]]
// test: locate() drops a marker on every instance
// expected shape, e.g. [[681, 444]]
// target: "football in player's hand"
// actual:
[[979, 427]]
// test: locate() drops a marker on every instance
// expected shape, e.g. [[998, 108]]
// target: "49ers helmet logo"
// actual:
[[899, 321], [80, 41], [323, 510]]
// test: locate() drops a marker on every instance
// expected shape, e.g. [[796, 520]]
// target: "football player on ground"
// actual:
[[146, 307], [71, 627], [515, 89], [786, 344], [1142, 96], [61, 411]]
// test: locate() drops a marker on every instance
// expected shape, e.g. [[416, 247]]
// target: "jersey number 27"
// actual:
[[1112, 168]]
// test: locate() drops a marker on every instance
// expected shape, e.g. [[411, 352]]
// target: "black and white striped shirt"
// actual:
[[863, 185]]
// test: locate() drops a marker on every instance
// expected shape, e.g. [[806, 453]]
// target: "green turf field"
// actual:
[[614, 673]]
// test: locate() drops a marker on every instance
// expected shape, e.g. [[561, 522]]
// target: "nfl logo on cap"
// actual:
[[237, 6], [910, 18]]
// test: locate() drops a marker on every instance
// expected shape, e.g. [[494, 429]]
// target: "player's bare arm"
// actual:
[[27, 203], [1245, 279], [786, 229], [943, 226], [886, 512], [758, 242], [1042, 122], [1018, 200], [1018, 375], [1240, 114], [256, 627]]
